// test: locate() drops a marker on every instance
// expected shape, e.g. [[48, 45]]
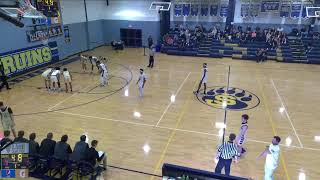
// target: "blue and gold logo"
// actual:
[[230, 99]]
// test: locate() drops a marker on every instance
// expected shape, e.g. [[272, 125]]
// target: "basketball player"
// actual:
[[46, 76], [67, 79], [242, 134], [7, 118], [141, 82], [204, 79], [83, 61], [93, 61], [55, 78], [103, 73]]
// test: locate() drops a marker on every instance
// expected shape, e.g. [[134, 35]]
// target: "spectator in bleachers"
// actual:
[[62, 149], [94, 158], [33, 145], [20, 138], [6, 139], [47, 146], [80, 149], [150, 41], [253, 36]]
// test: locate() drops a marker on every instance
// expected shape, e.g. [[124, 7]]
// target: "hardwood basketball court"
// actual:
[[183, 132]]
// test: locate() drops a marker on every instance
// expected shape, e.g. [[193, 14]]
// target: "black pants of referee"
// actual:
[[223, 163], [4, 82], [151, 61]]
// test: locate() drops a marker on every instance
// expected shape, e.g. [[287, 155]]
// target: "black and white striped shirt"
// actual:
[[228, 150]]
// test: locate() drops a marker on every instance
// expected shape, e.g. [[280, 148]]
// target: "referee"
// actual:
[[226, 152], [3, 78]]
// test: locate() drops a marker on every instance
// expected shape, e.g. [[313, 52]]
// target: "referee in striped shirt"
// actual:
[[226, 152]]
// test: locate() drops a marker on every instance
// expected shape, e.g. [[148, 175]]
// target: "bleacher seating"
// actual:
[[294, 51]]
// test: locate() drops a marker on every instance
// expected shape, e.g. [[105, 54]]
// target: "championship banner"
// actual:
[[214, 9], [267, 6], [27, 59], [44, 33], [178, 9], [224, 8], [204, 9], [304, 10], [295, 9], [254, 9], [245, 8], [186, 9], [194, 9], [285, 9]]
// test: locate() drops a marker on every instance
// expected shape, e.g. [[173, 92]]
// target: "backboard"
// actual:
[[160, 6], [313, 11], [20, 9]]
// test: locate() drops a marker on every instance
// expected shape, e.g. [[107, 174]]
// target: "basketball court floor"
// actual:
[[171, 124]]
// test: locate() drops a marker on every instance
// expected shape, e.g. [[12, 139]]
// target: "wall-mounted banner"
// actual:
[[295, 9], [27, 59], [204, 9], [67, 37], [214, 9], [43, 32], [186, 9], [304, 10], [224, 8], [245, 8], [194, 9], [178, 9], [285, 9], [267, 6], [255, 9]]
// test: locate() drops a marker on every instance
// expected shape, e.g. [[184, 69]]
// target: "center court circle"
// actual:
[[236, 99]]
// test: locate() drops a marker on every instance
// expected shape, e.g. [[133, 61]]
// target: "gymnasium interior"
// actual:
[[215, 62]]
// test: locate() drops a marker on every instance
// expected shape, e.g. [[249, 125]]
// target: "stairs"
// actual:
[[204, 48], [298, 50]]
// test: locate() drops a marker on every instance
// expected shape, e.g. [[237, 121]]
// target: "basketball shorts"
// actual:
[[8, 125], [67, 79], [45, 77], [54, 79]]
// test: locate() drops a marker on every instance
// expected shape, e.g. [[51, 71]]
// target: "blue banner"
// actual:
[[204, 9], [186, 9], [267, 6], [285, 9], [194, 9], [254, 9], [27, 59], [245, 10], [213, 9], [178, 9], [224, 10], [295, 9]]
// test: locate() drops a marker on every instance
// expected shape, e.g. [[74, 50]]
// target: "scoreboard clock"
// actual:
[[49, 8], [15, 160]]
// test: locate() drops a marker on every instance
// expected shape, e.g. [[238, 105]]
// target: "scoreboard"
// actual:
[[15, 160], [49, 8]]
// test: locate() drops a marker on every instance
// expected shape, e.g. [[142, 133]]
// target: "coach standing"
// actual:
[[226, 152], [152, 51], [3, 78]]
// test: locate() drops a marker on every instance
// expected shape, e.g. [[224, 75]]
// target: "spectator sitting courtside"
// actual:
[[6, 139], [93, 157], [47, 146], [20, 138], [33, 145], [62, 149], [80, 149]]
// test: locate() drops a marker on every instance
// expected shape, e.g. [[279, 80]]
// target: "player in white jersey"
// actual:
[[7, 119], [204, 79], [84, 61], [55, 78], [103, 73], [241, 138], [46, 76], [141, 82], [67, 79], [272, 153], [93, 61]]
